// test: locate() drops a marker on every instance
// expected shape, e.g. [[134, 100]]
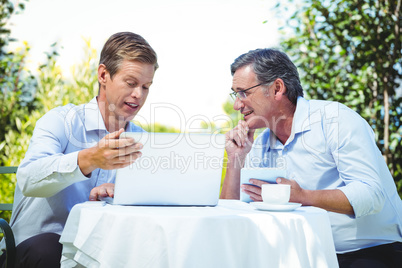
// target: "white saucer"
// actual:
[[275, 207]]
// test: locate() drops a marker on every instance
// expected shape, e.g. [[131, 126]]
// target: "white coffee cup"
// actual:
[[275, 193]]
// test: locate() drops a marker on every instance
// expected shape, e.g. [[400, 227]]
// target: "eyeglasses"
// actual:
[[241, 93]]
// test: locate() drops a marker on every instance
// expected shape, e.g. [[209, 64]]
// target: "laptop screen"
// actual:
[[174, 169]]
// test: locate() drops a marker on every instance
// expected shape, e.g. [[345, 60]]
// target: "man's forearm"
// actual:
[[330, 200], [231, 184]]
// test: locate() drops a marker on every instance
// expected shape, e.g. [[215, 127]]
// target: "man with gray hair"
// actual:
[[75, 150], [329, 152]]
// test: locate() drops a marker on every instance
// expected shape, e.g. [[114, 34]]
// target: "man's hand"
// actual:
[[239, 142], [331, 200], [254, 190], [110, 153], [104, 190]]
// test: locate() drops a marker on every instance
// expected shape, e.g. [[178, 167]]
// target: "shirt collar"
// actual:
[[300, 123], [93, 116], [301, 118]]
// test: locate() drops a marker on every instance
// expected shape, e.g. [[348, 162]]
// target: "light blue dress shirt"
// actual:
[[49, 181], [332, 147]]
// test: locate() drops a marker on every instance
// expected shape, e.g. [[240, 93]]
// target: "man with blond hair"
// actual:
[[75, 150]]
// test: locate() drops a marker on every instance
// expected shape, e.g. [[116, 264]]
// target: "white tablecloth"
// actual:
[[232, 234]]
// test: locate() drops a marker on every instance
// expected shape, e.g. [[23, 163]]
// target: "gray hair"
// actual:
[[269, 64]]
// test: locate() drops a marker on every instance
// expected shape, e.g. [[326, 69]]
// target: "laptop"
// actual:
[[175, 169]]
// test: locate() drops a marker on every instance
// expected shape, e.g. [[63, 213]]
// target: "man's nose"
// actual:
[[238, 104], [137, 92]]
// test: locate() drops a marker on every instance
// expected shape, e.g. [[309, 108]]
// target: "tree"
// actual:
[[16, 83], [350, 51], [17, 87]]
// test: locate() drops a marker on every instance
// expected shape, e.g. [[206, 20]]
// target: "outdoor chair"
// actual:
[[5, 227]]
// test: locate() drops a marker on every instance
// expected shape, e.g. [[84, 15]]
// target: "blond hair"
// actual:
[[126, 46]]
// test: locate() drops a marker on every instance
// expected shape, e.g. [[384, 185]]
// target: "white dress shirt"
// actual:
[[332, 147], [49, 181]]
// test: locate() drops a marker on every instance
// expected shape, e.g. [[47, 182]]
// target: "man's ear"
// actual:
[[103, 74], [279, 88]]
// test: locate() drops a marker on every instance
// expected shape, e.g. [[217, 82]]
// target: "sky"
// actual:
[[196, 41]]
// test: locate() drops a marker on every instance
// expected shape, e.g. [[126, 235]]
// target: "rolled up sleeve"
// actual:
[[356, 154], [363, 198], [48, 176]]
